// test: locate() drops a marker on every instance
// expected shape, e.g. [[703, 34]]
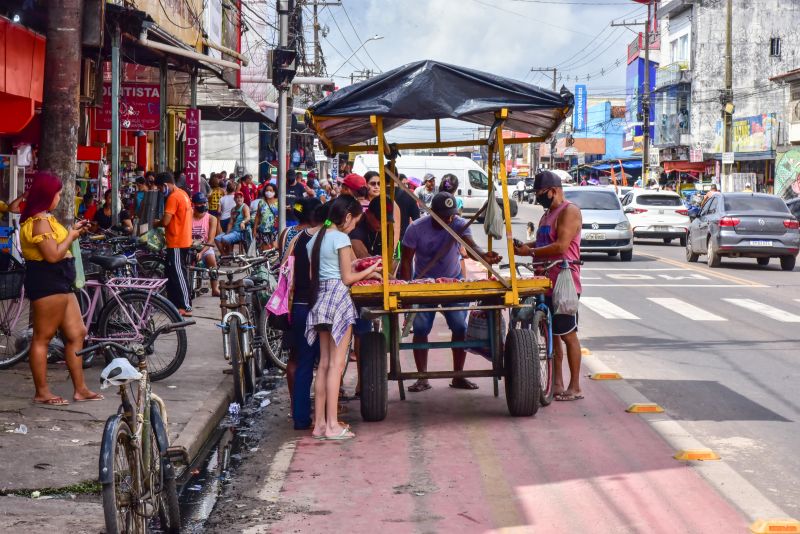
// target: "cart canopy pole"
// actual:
[[512, 298], [377, 124]]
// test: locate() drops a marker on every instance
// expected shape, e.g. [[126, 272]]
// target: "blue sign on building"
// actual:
[[579, 113]]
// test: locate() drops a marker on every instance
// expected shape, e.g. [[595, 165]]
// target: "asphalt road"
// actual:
[[717, 348]]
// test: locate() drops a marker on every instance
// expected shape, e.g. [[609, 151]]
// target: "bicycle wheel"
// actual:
[[121, 495], [167, 351], [237, 359], [544, 343], [151, 266], [15, 331], [162, 480], [272, 344]]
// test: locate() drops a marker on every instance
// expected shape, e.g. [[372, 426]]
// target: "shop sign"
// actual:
[[192, 155], [696, 155], [580, 111], [728, 158], [787, 173], [139, 107], [334, 169], [750, 134]]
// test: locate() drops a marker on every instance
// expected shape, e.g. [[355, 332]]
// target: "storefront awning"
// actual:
[[746, 156], [631, 165], [684, 166]]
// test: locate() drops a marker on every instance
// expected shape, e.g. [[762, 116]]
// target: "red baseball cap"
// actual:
[[353, 181]]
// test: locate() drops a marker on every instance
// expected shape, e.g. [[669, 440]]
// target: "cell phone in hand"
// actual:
[[517, 243]]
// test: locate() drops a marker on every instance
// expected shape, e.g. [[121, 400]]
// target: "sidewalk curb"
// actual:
[[205, 420], [720, 475]]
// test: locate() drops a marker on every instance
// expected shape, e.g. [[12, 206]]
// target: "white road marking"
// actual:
[[766, 310], [636, 269], [670, 285], [687, 310], [606, 309], [277, 472]]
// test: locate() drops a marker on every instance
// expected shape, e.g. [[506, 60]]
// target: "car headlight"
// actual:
[[624, 225]]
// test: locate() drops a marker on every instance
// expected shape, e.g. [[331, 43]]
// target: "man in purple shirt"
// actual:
[[429, 251]]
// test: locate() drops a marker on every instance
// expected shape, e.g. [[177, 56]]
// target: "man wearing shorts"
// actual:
[[429, 251], [559, 237]]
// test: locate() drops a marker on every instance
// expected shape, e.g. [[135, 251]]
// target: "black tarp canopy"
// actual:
[[427, 90]]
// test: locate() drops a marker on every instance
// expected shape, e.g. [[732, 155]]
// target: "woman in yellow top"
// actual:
[[49, 275], [214, 195]]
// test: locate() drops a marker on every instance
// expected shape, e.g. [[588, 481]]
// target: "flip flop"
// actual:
[[319, 438], [564, 397], [344, 435], [417, 387], [95, 397], [466, 384], [52, 401]]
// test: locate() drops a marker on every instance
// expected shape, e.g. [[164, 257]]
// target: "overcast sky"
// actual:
[[505, 37]]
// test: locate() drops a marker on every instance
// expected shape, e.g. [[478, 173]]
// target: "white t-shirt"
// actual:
[[333, 241], [254, 207], [226, 204]]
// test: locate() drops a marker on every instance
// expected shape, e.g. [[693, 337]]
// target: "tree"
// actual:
[[61, 106]]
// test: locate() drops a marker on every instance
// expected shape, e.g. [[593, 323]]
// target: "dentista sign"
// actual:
[[139, 107]]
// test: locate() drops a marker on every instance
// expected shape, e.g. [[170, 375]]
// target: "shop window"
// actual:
[[775, 47]]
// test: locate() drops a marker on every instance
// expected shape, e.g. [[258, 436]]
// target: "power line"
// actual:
[[346, 14]]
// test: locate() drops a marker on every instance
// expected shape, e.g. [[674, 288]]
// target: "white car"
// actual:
[[657, 215]]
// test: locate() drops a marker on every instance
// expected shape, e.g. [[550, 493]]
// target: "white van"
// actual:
[[473, 184]]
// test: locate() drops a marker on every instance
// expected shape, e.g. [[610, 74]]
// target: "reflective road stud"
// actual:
[[696, 454], [763, 526], [606, 376], [645, 408]]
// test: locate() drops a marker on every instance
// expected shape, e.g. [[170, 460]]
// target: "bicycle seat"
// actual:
[[109, 263], [248, 283]]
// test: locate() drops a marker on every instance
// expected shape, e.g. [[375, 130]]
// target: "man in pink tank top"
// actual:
[[559, 237]]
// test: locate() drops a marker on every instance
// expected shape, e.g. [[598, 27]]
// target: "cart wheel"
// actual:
[[374, 378], [522, 373]]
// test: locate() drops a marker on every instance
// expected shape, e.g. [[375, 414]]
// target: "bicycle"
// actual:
[[130, 310], [240, 317], [15, 322], [136, 474], [536, 316]]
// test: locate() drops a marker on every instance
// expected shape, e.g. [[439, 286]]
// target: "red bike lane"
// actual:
[[449, 460]]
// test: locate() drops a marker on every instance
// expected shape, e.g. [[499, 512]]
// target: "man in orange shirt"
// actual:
[[177, 223]]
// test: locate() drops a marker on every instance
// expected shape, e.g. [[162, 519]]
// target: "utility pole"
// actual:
[[553, 142], [284, 8], [61, 107], [727, 105]]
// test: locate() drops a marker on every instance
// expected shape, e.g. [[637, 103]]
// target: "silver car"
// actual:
[[605, 226], [744, 225]]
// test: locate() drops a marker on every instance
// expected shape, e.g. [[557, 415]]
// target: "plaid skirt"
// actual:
[[334, 307]]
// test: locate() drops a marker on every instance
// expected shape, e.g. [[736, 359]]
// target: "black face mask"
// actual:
[[201, 209], [544, 200]]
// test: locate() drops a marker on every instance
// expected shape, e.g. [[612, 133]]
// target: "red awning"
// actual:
[[684, 166], [21, 75]]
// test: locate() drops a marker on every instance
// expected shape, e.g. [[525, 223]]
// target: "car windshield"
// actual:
[[658, 200], [593, 200], [755, 203]]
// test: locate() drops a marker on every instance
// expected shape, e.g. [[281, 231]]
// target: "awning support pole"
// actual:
[[162, 124], [513, 298], [386, 254], [116, 37]]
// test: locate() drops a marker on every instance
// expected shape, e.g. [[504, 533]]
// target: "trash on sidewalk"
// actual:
[[172, 387], [36, 494], [196, 487], [265, 403], [21, 429], [260, 394], [55, 429], [234, 408]]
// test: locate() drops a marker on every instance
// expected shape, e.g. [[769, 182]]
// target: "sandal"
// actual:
[[564, 397], [94, 397], [52, 401], [463, 384], [345, 434], [418, 386]]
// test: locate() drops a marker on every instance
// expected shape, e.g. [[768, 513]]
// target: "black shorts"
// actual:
[[562, 324], [43, 278]]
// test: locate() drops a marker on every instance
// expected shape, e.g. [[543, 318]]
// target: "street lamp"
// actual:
[[373, 38]]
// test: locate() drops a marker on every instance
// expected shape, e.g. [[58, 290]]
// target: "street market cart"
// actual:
[[428, 90]]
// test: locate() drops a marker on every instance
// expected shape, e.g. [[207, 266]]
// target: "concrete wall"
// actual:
[[754, 23]]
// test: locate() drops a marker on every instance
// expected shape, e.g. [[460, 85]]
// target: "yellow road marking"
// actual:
[[707, 272]]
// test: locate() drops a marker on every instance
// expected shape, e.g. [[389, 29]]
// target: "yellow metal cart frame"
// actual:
[[389, 301]]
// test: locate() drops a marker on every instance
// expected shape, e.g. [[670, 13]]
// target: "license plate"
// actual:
[[661, 212], [594, 237], [755, 243], [662, 228]]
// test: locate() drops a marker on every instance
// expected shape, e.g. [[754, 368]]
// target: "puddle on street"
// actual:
[[202, 483]]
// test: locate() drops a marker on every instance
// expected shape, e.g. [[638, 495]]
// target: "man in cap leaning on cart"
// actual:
[[429, 251]]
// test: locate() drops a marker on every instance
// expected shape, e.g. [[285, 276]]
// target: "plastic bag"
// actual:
[[280, 301], [80, 275], [493, 220], [478, 330], [565, 296], [154, 239]]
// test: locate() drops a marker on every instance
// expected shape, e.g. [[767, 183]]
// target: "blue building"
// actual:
[[607, 122]]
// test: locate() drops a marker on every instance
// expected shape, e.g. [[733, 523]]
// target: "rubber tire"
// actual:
[[762, 261], [667, 240], [626, 255], [547, 376], [121, 431], [691, 256], [274, 356], [713, 259], [522, 373], [169, 310], [788, 263], [235, 348], [260, 354], [169, 509], [372, 368], [613, 254], [683, 240], [151, 266]]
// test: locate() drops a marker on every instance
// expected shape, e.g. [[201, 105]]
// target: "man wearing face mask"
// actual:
[[429, 251], [177, 223], [295, 190], [559, 237]]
